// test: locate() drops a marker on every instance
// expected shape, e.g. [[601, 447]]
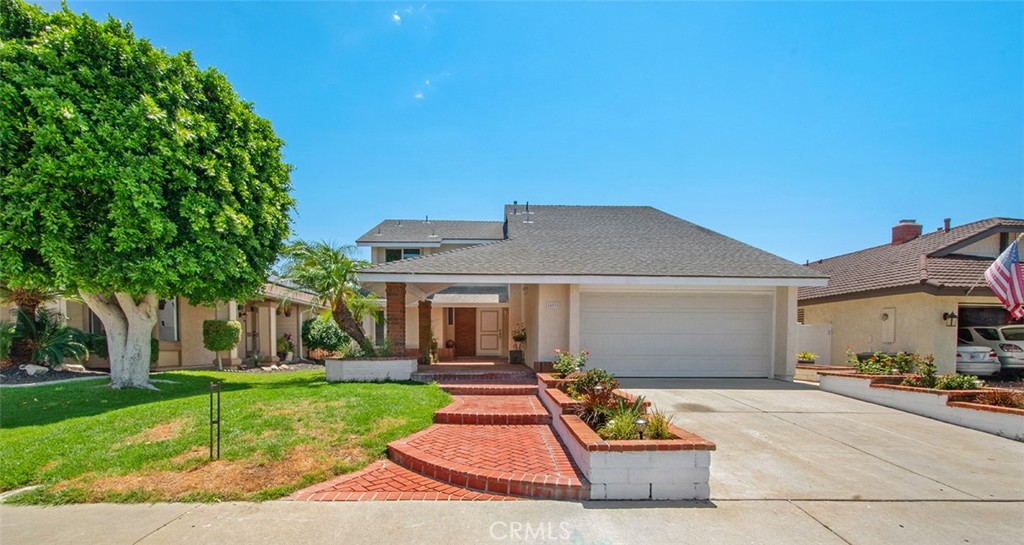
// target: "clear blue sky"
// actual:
[[806, 129]]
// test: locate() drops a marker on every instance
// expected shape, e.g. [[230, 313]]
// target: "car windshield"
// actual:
[[1013, 333]]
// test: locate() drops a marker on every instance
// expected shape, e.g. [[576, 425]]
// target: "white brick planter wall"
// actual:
[[369, 370], [931, 403], [667, 469]]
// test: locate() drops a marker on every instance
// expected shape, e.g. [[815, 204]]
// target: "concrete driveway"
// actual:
[[786, 441]]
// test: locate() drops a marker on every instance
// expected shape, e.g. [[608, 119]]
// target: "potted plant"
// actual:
[[285, 347], [519, 337], [805, 357]]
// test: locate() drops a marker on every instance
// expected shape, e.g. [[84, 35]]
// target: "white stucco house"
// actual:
[[646, 293]]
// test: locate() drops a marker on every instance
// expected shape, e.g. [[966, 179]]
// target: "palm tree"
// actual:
[[28, 300], [327, 270]]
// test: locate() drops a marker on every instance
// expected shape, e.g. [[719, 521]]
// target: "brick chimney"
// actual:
[[905, 231]]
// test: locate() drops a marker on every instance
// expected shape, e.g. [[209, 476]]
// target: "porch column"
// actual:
[[395, 316], [229, 311], [424, 331], [268, 332]]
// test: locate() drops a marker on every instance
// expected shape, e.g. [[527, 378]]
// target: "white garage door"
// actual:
[[677, 335]]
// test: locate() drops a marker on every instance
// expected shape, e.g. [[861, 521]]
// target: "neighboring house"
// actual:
[[646, 293], [901, 296], [280, 309]]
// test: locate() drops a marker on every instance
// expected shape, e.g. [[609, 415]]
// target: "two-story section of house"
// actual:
[[468, 320]]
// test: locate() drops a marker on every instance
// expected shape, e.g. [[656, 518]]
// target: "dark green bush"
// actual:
[[323, 333]]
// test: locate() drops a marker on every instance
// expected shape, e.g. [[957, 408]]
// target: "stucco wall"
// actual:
[[918, 325], [531, 303], [190, 333], [552, 319], [784, 366]]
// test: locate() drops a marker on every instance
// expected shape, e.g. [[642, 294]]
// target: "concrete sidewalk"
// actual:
[[590, 523]]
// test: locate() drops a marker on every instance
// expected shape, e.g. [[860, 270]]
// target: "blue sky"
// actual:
[[806, 129]]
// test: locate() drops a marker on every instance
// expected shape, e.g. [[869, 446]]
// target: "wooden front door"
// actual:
[[465, 332]]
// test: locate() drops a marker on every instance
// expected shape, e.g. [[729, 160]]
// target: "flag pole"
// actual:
[[983, 274]]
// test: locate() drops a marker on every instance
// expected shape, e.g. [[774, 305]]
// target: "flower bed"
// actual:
[[370, 369], [954, 406], [676, 468]]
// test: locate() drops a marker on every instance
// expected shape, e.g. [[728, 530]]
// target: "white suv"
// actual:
[[1006, 340]]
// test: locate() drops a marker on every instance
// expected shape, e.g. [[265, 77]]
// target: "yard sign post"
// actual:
[[214, 387]]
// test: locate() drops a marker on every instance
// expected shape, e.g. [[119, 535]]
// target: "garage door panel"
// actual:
[[647, 334]]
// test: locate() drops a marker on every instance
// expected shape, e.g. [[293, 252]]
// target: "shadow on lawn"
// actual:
[[47, 404]]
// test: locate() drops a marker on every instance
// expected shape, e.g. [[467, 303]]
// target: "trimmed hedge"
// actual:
[[221, 335]]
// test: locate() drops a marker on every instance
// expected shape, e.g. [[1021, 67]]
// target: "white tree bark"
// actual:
[[129, 328]]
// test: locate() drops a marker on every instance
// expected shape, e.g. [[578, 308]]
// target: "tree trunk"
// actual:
[[343, 317], [129, 328]]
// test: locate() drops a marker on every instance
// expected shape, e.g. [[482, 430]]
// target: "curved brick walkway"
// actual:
[[387, 481]]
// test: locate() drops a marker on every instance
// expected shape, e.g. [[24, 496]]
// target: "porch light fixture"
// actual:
[[950, 318], [641, 425]]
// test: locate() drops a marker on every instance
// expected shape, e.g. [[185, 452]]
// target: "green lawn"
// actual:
[[88, 443]]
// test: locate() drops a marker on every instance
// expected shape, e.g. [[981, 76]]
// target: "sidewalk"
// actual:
[[588, 523]]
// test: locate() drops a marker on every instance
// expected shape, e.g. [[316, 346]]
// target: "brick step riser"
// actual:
[[492, 390], [492, 419], [494, 485], [464, 377]]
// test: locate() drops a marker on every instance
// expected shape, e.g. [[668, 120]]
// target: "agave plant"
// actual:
[[48, 337]]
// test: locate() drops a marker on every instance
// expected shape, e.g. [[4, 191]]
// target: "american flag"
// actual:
[[1005, 278]]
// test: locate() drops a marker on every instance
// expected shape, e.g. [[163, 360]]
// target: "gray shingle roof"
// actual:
[[604, 241], [913, 263], [434, 231]]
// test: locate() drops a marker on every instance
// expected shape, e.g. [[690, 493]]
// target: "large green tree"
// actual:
[[128, 174]]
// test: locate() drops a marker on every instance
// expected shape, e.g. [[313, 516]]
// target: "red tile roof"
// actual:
[[919, 262]]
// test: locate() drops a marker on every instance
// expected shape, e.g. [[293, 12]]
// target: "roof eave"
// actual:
[[477, 278]]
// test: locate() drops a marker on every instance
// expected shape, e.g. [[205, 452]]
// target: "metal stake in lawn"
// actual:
[[214, 387]]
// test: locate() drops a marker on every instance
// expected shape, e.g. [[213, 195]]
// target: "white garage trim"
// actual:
[[685, 333]]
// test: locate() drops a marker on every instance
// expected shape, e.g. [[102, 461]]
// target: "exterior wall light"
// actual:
[[950, 318]]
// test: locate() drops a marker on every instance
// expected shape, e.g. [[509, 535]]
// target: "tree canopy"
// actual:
[[128, 174], [128, 169]]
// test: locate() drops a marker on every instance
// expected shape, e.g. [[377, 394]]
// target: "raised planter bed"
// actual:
[[370, 369], [809, 371], [953, 406], [645, 469]]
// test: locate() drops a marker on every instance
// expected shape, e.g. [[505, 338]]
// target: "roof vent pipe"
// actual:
[[427, 220], [515, 208], [945, 225]]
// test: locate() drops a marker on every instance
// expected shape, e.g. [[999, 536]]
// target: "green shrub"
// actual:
[[567, 363], [954, 381], [154, 350], [658, 426], [221, 335], [323, 333], [925, 374], [49, 338], [6, 338], [594, 406], [621, 420], [580, 383], [888, 364]]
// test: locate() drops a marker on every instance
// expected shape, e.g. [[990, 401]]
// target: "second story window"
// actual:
[[398, 254]]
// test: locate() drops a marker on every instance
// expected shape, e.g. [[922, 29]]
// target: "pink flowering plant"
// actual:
[[567, 363]]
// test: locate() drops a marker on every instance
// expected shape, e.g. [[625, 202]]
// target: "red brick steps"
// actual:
[[493, 410], [492, 389], [387, 481], [524, 460]]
